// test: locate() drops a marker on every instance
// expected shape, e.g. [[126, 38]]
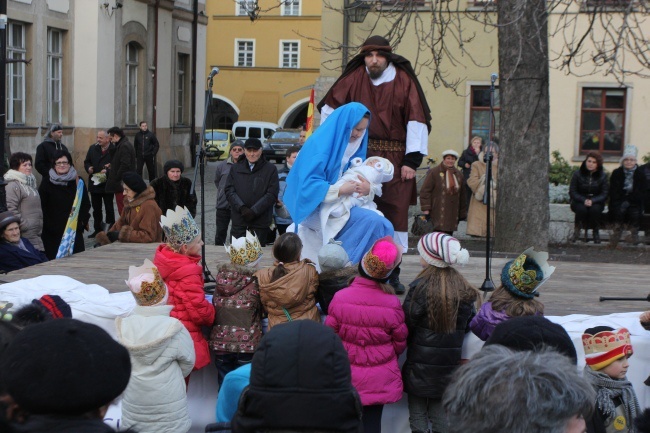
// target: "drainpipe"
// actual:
[[155, 65], [195, 26]]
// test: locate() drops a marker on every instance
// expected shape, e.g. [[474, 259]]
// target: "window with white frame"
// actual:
[[16, 73], [54, 73], [290, 8], [181, 89], [245, 53], [246, 6], [132, 51], [289, 54]]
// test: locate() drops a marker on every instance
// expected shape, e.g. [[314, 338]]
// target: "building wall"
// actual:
[[265, 91], [94, 70]]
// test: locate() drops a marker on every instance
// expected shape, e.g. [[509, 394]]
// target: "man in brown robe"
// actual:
[[400, 124]]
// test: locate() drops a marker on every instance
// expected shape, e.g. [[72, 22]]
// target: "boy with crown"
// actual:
[[238, 309], [177, 261], [162, 354], [606, 354]]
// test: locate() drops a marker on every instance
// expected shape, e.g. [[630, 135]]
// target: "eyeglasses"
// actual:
[[59, 164], [237, 149]]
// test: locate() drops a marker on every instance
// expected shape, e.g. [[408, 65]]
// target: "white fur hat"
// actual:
[[450, 152], [441, 250]]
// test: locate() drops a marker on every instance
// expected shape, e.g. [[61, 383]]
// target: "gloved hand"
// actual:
[[112, 236], [247, 214]]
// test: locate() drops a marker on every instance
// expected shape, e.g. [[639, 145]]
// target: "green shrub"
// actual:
[[560, 171], [646, 158]]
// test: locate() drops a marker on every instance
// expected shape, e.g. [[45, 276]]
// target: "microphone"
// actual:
[[493, 77], [214, 72]]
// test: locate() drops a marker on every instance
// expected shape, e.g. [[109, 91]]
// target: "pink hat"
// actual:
[[379, 262]]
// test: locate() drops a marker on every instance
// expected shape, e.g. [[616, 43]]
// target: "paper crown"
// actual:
[[523, 276], [146, 285], [179, 227], [605, 347], [245, 251]]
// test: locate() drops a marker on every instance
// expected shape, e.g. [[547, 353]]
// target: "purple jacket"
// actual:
[[371, 325], [486, 320]]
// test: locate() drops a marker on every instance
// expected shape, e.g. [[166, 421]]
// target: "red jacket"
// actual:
[[184, 278]]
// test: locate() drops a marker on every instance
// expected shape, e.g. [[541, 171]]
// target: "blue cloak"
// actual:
[[319, 162]]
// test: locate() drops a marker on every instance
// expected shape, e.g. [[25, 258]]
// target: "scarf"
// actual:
[[66, 247], [628, 183], [22, 178], [607, 390], [451, 182], [63, 179]]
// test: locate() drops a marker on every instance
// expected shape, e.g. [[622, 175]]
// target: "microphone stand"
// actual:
[[488, 285], [208, 279]]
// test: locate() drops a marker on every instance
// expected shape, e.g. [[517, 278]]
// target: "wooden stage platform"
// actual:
[[574, 288]]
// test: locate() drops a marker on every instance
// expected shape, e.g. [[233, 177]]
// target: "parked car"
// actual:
[[245, 129], [281, 140], [217, 142]]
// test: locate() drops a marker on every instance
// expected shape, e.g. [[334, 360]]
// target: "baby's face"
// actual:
[[370, 163]]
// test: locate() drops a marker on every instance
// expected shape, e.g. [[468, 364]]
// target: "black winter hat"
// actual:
[[300, 379], [134, 181], [173, 163], [533, 333], [64, 367]]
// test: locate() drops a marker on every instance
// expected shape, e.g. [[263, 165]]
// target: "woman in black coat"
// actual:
[[58, 192], [467, 158], [626, 194], [588, 192]]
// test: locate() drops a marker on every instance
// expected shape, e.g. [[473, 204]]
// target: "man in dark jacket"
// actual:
[[97, 161], [45, 150], [146, 147], [122, 160], [252, 190]]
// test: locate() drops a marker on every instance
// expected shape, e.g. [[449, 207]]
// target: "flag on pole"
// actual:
[[310, 115]]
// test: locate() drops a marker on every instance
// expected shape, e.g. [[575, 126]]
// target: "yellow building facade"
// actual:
[[267, 65]]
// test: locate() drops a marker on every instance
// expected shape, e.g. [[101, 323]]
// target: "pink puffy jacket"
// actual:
[[371, 325]]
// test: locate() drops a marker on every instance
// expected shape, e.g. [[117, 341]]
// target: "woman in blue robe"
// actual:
[[320, 164]]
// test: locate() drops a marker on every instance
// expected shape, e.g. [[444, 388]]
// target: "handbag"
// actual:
[[421, 225]]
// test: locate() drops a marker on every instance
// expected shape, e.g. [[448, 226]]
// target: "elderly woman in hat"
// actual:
[[442, 196], [140, 218], [172, 189], [16, 252]]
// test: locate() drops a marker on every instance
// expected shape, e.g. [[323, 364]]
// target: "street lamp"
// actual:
[[357, 11]]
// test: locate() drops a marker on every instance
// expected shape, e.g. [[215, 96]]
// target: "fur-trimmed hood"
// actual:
[[147, 194]]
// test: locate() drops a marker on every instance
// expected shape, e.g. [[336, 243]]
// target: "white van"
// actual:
[[253, 129]]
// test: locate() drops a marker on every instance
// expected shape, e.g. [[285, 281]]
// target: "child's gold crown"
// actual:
[[245, 251]]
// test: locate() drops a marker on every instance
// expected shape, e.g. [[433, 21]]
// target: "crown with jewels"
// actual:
[[245, 251], [523, 276], [146, 285], [179, 227]]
